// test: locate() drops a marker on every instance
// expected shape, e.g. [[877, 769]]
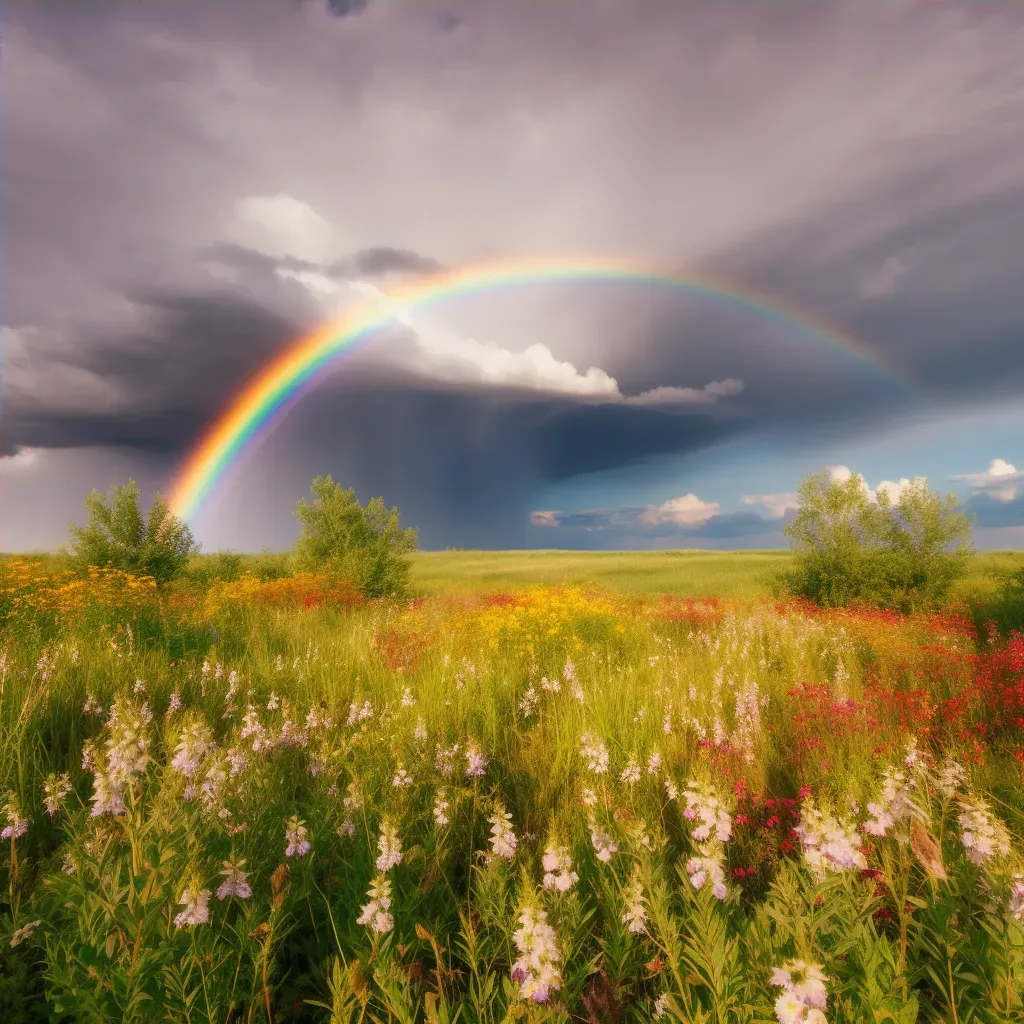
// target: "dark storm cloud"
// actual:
[[861, 162], [342, 8], [381, 260]]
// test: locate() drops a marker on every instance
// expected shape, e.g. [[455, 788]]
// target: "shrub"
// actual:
[[269, 566], [117, 536], [224, 565], [852, 547], [366, 545], [1003, 613]]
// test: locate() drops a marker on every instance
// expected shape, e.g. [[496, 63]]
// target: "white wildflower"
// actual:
[[705, 807], [476, 762], [635, 916], [595, 752], [390, 846], [377, 913], [951, 779], [503, 839], [194, 746], [708, 868], [440, 811], [984, 836], [57, 788], [829, 844], [894, 806], [603, 844], [536, 971], [804, 995], [1016, 905], [17, 823], [558, 872], [196, 902], [631, 773], [235, 881]]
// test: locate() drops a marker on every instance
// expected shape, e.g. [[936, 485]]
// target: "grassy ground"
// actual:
[[727, 574], [732, 575], [272, 805]]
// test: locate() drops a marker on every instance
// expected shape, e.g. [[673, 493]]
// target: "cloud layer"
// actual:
[[188, 189]]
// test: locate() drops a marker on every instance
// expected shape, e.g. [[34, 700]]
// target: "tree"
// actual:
[[365, 545], [118, 536], [853, 546]]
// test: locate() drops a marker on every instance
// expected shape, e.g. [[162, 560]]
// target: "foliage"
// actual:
[[223, 565], [118, 536], [1003, 612], [364, 544], [853, 547]]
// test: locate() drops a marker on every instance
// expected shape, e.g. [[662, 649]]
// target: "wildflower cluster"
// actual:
[[710, 833], [829, 843], [804, 995], [538, 967]]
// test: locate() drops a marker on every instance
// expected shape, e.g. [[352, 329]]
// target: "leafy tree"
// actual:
[[118, 536], [852, 547], [365, 545]]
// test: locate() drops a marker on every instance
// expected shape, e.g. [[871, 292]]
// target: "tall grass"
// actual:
[[715, 793]]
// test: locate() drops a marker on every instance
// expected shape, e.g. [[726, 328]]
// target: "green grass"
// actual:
[[733, 575], [805, 705], [691, 573]]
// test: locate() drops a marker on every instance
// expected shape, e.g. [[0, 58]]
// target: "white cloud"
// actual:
[[445, 355], [322, 287], [776, 504], [839, 474], [281, 225], [549, 518], [894, 489], [683, 510], [1002, 481], [23, 459]]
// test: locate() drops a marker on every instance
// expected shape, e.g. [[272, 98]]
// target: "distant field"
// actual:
[[727, 574]]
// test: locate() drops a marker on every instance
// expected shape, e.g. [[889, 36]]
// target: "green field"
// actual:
[[725, 574], [731, 575], [254, 798]]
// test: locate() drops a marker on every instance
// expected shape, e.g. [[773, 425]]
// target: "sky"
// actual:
[[190, 188]]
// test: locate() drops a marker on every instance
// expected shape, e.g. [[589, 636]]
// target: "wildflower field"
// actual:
[[275, 801]]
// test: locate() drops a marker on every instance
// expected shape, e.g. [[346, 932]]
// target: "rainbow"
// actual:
[[278, 383]]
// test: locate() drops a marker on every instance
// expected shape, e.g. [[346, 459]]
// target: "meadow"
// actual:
[[551, 786]]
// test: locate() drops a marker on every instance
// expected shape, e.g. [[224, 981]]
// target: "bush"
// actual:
[[1004, 613], [365, 545], [224, 565], [269, 566], [117, 536], [853, 548]]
